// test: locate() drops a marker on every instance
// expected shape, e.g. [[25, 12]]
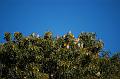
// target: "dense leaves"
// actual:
[[60, 57]]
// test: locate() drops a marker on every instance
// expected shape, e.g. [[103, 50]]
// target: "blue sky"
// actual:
[[60, 16]]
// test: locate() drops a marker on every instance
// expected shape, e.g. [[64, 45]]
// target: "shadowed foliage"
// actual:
[[60, 57]]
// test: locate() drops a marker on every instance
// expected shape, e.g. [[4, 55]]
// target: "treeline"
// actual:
[[60, 57]]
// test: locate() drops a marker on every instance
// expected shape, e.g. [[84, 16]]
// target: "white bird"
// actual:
[[78, 44], [33, 34], [38, 35], [98, 73], [57, 37], [81, 45]]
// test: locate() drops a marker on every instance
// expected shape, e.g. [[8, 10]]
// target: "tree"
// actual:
[[48, 57]]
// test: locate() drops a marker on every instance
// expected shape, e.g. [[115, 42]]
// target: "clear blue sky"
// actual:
[[60, 16]]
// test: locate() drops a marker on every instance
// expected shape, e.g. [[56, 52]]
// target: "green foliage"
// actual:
[[18, 36], [7, 36], [48, 57]]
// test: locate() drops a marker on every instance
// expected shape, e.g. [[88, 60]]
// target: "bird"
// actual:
[[38, 36], [33, 34]]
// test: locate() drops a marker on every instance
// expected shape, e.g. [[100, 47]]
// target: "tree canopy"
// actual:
[[56, 57]]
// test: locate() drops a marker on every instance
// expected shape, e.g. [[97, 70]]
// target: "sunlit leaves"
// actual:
[[17, 35], [7, 36], [63, 57]]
